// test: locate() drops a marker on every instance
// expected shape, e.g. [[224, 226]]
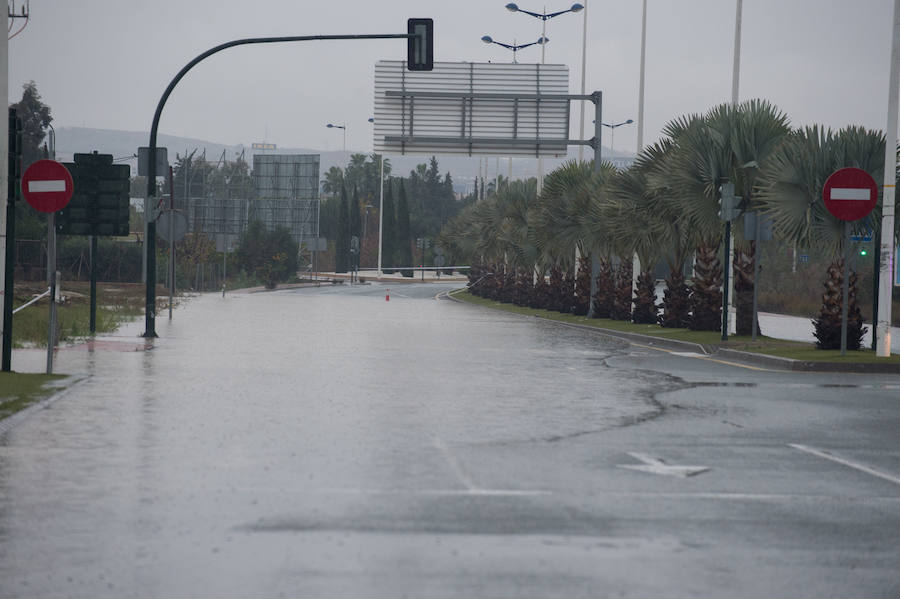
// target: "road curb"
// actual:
[[744, 357], [13, 420]]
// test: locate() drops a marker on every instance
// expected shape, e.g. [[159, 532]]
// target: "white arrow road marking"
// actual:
[[844, 461], [46, 186], [850, 193], [657, 466]]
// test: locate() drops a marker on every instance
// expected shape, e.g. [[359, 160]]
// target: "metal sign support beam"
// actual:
[[150, 241]]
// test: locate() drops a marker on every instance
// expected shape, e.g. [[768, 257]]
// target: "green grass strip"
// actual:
[[794, 350], [20, 390]]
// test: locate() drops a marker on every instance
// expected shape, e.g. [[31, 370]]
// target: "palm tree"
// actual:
[[635, 229], [677, 237], [331, 183], [790, 190], [729, 144], [567, 217], [760, 130], [696, 161]]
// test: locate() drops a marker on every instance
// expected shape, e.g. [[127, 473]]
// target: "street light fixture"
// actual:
[[514, 47], [344, 127], [544, 16], [612, 132]]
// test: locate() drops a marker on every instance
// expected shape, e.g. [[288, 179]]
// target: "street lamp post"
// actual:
[[344, 129], [380, 204], [513, 46], [612, 133], [544, 17]]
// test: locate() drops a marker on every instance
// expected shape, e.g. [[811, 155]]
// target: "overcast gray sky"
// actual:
[[105, 63]]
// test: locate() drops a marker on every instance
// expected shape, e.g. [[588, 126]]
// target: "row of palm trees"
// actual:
[[666, 207]]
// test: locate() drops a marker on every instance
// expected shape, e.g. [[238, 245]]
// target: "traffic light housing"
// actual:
[[100, 202], [729, 204], [420, 47]]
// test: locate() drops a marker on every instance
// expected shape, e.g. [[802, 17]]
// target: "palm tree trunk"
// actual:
[[827, 327], [603, 300], [744, 259], [645, 311], [621, 309], [706, 290], [676, 305]]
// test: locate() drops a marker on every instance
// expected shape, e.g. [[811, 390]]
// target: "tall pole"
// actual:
[[845, 287], [735, 84], [10, 230], [380, 213], [736, 70], [583, 63], [886, 266], [640, 123], [5, 301], [187, 194], [635, 260], [598, 149], [51, 269], [540, 178]]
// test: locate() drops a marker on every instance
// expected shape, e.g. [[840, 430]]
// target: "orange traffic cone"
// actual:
[[387, 295]]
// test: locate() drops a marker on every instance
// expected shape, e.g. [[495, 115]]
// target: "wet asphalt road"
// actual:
[[327, 443]]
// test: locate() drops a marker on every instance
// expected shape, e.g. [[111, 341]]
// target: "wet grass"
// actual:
[[20, 390], [116, 303], [794, 350]]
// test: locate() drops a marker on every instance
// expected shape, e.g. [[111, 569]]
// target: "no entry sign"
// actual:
[[850, 194], [47, 186]]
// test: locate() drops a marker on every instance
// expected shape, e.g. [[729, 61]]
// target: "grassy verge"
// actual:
[[19, 390], [116, 303], [795, 350]]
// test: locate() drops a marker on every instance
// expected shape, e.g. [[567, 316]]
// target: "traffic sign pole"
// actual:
[[849, 195], [47, 186], [845, 288]]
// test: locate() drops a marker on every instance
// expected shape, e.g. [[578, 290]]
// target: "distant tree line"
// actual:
[[415, 207]]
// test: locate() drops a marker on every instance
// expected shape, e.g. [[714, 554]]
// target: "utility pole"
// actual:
[[886, 276], [4, 174]]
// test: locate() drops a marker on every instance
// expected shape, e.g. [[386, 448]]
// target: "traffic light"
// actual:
[[420, 47], [729, 204], [99, 204]]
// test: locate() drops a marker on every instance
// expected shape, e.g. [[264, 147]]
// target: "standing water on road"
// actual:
[[320, 413]]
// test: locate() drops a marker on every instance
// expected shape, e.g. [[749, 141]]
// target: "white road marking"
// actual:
[[439, 492], [657, 466], [454, 465], [850, 193], [844, 461], [712, 495], [46, 186]]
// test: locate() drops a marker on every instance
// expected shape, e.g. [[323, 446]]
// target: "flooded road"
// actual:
[[326, 442]]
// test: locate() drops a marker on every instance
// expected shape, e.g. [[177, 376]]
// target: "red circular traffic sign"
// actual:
[[47, 186], [850, 193]]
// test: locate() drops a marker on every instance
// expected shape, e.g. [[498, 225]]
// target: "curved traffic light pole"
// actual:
[[150, 241]]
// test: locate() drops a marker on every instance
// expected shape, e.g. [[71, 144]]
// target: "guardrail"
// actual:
[[33, 300]]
